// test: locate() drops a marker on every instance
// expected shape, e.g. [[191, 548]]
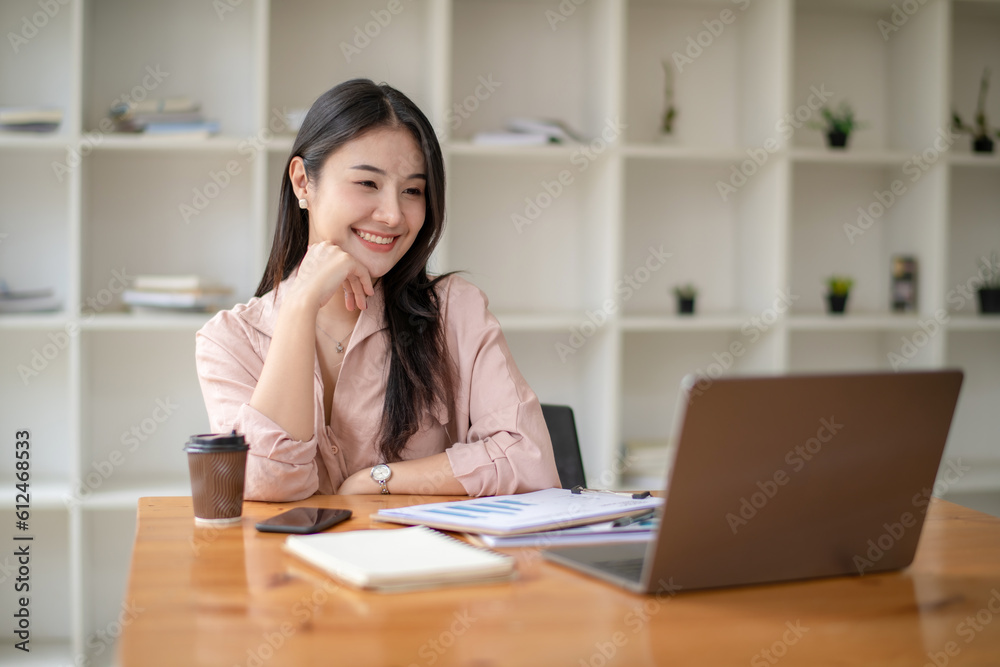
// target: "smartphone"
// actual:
[[304, 520]]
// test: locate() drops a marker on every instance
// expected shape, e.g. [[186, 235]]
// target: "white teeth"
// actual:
[[374, 239]]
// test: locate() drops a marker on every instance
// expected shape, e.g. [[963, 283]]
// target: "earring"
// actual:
[[303, 203]]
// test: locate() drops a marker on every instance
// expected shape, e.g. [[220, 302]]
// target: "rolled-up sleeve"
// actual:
[[507, 448], [279, 467]]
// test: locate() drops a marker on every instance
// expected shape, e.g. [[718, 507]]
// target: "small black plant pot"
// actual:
[[685, 305], [982, 145], [837, 303], [836, 139], [989, 300]]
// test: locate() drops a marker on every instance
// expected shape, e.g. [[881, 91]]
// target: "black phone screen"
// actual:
[[303, 520]]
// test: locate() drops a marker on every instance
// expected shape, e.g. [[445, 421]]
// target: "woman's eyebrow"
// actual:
[[381, 172]]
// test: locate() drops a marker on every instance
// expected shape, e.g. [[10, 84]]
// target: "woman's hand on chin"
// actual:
[[327, 270]]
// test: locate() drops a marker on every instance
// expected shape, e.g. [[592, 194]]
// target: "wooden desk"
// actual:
[[226, 597]]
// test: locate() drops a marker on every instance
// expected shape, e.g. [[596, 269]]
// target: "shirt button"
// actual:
[[334, 449]]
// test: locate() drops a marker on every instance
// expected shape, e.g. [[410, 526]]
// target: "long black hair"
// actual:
[[419, 366]]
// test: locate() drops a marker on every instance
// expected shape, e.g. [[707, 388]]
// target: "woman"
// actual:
[[351, 370]]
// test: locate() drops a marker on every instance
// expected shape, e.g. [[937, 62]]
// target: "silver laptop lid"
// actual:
[[790, 477]]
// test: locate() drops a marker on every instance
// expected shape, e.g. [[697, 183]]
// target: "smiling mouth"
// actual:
[[374, 238]]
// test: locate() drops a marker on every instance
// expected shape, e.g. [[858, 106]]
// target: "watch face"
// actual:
[[381, 472]]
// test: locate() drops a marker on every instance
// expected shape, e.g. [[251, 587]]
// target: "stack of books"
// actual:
[[27, 301], [30, 119], [173, 116], [175, 293], [529, 132]]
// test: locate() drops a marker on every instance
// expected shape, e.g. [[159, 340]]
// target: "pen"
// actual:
[[634, 496], [635, 518]]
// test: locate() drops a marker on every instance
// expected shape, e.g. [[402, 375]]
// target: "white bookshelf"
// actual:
[[70, 221]]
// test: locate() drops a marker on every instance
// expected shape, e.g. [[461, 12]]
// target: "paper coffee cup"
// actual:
[[217, 462]]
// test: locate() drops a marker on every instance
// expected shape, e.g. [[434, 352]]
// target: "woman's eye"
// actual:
[[414, 191], [368, 184]]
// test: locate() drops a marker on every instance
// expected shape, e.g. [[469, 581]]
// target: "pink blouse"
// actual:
[[494, 433]]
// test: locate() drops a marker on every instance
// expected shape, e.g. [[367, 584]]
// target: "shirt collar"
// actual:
[[262, 313]]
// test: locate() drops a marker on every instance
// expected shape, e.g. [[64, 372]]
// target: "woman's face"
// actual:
[[370, 197]]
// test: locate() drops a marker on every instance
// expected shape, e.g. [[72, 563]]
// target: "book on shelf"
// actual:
[[202, 129], [193, 300], [155, 105], [172, 293], [30, 119], [401, 559], [28, 301], [549, 509], [174, 117], [522, 131], [174, 283]]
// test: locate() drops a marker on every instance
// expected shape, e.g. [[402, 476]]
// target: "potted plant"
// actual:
[[838, 124], [989, 291], [838, 288], [670, 111], [685, 298], [982, 141]]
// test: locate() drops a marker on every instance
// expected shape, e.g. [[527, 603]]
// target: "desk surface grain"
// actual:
[[230, 596]]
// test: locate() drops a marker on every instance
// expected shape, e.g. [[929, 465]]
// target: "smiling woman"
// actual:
[[352, 370]]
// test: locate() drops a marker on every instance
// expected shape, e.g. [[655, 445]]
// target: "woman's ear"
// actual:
[[297, 175]]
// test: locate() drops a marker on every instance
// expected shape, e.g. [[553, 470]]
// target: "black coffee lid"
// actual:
[[216, 442]]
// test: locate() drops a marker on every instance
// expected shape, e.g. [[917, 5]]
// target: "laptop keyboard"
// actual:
[[626, 568]]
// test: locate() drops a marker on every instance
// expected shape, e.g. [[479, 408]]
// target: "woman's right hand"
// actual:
[[326, 270]]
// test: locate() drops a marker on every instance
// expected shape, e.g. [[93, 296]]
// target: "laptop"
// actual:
[[789, 477]]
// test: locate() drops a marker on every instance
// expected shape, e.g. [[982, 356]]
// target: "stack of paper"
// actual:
[[27, 301], [550, 509], [30, 119], [173, 293], [174, 116]]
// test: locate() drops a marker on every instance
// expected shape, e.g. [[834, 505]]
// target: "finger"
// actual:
[[359, 292], [349, 298], [366, 282]]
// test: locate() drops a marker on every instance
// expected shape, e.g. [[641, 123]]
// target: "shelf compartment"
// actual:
[[138, 410], [893, 80], [107, 555], [534, 220], [345, 40], [576, 53], [654, 363], [34, 224], [737, 46], [35, 395], [567, 370], [40, 38], [722, 243], [975, 44], [818, 351], [170, 213], [49, 582], [974, 437], [137, 51], [853, 221], [973, 233]]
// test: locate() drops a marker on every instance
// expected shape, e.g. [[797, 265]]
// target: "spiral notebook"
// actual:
[[400, 559]]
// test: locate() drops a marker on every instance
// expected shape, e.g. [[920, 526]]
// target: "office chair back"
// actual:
[[565, 445]]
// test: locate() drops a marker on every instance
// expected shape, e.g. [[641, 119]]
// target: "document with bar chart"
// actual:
[[549, 509]]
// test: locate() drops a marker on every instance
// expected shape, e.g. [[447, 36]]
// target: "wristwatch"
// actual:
[[381, 474]]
